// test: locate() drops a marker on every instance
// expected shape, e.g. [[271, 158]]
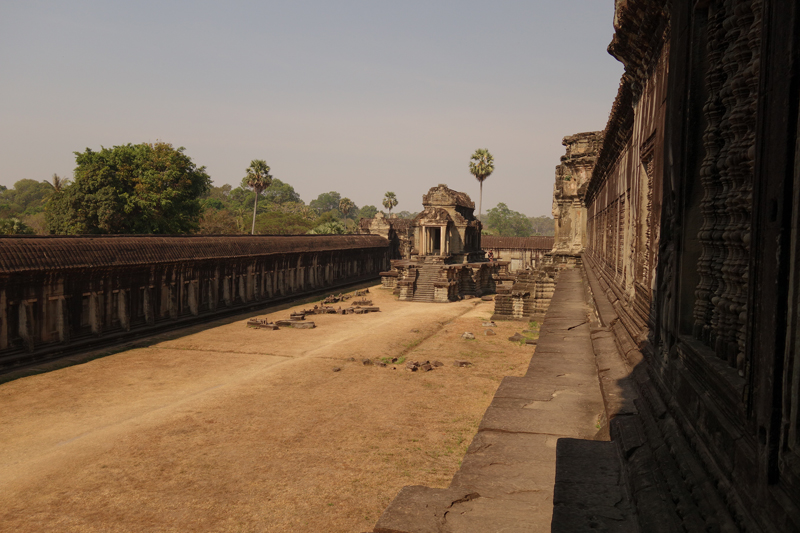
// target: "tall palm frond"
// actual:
[[258, 178], [481, 165]]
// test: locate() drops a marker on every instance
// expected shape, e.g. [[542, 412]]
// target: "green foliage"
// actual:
[[219, 222], [389, 201], [258, 178], [282, 223], [481, 165], [543, 225], [504, 222], [143, 188], [345, 206], [329, 228], [14, 226], [327, 201], [281, 193], [405, 214], [27, 197], [368, 211]]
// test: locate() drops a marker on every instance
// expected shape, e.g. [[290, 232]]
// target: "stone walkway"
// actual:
[[505, 483]]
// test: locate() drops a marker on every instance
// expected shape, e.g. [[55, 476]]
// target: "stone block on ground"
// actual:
[[304, 325], [468, 335], [516, 337], [461, 363], [489, 332]]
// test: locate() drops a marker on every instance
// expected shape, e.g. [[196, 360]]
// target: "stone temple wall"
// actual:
[[691, 254], [572, 178], [62, 293]]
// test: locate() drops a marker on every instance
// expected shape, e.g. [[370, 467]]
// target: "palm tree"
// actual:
[[389, 201], [58, 183], [481, 165], [258, 178], [345, 205]]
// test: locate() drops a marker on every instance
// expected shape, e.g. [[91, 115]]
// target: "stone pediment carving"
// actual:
[[444, 196], [435, 215]]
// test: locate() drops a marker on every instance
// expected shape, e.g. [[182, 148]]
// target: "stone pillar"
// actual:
[[122, 310], [192, 296], [25, 328], [148, 306], [95, 313], [3, 321], [441, 240]]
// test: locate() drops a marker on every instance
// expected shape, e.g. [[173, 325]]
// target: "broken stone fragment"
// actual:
[[516, 337], [336, 369], [461, 363], [426, 367], [412, 366], [438, 363], [531, 342], [467, 335], [489, 325], [380, 363], [394, 359], [489, 332], [366, 362], [304, 325]]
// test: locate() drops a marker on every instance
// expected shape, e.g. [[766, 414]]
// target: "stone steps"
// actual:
[[424, 290]]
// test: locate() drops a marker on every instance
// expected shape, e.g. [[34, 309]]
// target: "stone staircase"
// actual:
[[423, 287]]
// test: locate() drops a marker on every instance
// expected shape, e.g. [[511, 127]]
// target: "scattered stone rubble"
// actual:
[[427, 366], [297, 319]]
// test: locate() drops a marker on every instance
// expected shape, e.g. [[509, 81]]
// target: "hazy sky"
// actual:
[[360, 97]]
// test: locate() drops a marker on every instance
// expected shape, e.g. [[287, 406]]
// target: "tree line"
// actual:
[[154, 188]]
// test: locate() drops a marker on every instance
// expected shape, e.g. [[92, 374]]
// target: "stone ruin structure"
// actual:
[[522, 253], [61, 294], [444, 261], [569, 209], [396, 230], [690, 269]]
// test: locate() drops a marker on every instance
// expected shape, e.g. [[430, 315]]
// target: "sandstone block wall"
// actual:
[[58, 293]]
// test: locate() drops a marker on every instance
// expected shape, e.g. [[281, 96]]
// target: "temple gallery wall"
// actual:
[[682, 218], [58, 293]]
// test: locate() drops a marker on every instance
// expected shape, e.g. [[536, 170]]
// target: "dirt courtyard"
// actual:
[[224, 428]]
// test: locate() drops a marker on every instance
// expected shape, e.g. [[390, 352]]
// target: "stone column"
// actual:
[[24, 328], [3, 322], [441, 240], [95, 313], [122, 310]]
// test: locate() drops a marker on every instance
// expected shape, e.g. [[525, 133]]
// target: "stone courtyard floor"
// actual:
[[224, 428]]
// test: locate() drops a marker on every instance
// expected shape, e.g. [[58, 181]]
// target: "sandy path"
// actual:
[[231, 429]]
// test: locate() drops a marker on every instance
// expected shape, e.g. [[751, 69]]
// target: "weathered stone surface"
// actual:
[[516, 337], [304, 325], [468, 335], [336, 369], [489, 332], [461, 363]]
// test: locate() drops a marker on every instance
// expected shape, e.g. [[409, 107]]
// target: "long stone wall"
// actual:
[[691, 252], [60, 293]]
